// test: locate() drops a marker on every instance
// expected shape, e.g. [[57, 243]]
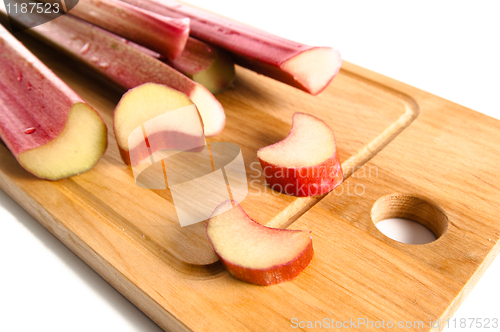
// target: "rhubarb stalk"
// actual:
[[121, 63], [208, 65], [166, 37], [50, 130], [161, 34], [305, 67]]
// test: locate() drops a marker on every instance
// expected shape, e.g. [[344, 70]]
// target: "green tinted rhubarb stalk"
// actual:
[[206, 64], [305, 67], [203, 63], [50, 130], [123, 64]]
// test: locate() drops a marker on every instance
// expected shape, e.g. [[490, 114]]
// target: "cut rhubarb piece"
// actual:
[[154, 117], [161, 34], [121, 63], [48, 127], [306, 162], [206, 64], [305, 67], [255, 253]]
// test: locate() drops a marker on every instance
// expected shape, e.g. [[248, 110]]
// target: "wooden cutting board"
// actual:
[[405, 153]]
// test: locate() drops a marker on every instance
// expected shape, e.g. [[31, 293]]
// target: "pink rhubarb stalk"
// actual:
[[39, 115], [161, 34], [123, 64], [166, 37], [305, 67], [208, 65]]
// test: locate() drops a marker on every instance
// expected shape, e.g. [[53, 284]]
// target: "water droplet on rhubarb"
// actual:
[[103, 64], [30, 130], [19, 77], [28, 86], [85, 48]]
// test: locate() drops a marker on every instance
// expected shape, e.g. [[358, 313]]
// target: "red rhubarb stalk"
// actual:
[[50, 130], [166, 37], [161, 34], [305, 67], [208, 65], [123, 64]]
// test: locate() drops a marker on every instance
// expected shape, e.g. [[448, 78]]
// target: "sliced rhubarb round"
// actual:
[[255, 253], [161, 115], [306, 162]]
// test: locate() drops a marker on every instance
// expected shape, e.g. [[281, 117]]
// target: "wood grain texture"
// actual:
[[415, 143], [441, 172]]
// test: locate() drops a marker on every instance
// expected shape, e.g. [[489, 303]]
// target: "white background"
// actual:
[[449, 48]]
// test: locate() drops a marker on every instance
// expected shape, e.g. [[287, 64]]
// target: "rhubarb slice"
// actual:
[[306, 162], [254, 253], [161, 34], [305, 67], [51, 131], [154, 117], [121, 63]]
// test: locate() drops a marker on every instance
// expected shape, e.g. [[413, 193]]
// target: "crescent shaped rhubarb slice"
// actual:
[[255, 253], [306, 162]]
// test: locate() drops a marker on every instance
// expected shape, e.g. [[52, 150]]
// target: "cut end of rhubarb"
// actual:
[[220, 75], [75, 150], [255, 253], [144, 103], [309, 143], [208, 65], [155, 118], [315, 68]]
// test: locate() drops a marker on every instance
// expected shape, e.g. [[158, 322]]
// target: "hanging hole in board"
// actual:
[[409, 219]]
